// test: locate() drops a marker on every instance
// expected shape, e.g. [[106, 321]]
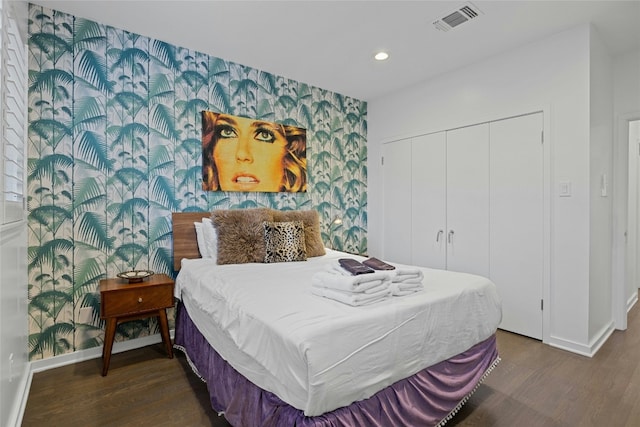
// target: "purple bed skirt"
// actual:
[[429, 398]]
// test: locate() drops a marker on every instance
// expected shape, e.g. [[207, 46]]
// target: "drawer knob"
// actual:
[[140, 299]]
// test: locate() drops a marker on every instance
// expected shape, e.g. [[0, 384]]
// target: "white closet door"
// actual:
[[429, 195], [397, 201], [467, 231], [516, 237]]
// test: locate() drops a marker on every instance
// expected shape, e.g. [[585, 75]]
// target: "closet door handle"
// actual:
[[450, 236], [438, 235]]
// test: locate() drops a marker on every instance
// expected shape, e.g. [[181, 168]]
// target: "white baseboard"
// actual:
[[94, 353], [633, 299], [589, 349], [601, 337], [20, 400], [31, 368]]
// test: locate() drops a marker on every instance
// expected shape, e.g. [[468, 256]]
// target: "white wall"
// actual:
[[631, 290], [550, 75], [601, 154], [626, 106]]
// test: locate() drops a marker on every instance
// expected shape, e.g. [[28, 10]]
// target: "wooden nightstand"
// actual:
[[121, 301]]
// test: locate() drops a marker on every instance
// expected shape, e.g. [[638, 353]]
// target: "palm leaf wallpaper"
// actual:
[[115, 147]]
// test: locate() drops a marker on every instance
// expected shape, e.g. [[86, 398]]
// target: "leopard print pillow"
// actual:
[[284, 241]]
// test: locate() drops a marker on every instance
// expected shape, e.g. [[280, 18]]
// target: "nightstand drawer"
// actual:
[[136, 300]]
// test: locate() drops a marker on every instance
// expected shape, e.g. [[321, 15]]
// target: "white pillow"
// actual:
[[202, 246], [210, 238]]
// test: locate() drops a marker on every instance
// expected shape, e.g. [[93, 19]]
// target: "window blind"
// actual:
[[13, 111]]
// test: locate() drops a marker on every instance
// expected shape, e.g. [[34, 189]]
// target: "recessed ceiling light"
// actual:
[[381, 56]]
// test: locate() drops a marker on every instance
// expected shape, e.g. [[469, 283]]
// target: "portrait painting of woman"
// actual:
[[243, 154]]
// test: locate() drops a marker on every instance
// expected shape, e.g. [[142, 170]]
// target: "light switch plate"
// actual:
[[564, 189]]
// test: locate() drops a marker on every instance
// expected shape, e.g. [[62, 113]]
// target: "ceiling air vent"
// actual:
[[459, 16]]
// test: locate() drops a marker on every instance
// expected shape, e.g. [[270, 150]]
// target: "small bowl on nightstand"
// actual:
[[135, 276]]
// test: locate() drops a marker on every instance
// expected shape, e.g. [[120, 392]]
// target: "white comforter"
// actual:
[[318, 354]]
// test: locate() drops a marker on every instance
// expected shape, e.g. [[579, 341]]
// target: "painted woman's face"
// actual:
[[249, 154]]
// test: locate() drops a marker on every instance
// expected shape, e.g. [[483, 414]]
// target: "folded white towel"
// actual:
[[381, 287], [401, 289], [358, 283], [402, 293], [407, 275], [351, 298]]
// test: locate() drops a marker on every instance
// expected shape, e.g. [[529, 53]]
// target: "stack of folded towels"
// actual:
[[339, 284], [405, 281]]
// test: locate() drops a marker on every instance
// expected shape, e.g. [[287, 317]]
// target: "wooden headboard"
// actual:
[[185, 244]]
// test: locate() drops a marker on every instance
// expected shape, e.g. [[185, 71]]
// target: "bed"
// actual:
[[267, 361]]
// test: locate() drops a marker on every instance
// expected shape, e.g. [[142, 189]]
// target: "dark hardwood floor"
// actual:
[[534, 385]]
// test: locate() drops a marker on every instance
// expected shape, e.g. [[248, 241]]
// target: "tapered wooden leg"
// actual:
[[164, 331], [109, 335]]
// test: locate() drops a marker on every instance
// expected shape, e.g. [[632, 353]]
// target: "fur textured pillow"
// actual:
[[284, 241], [241, 234], [311, 220]]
